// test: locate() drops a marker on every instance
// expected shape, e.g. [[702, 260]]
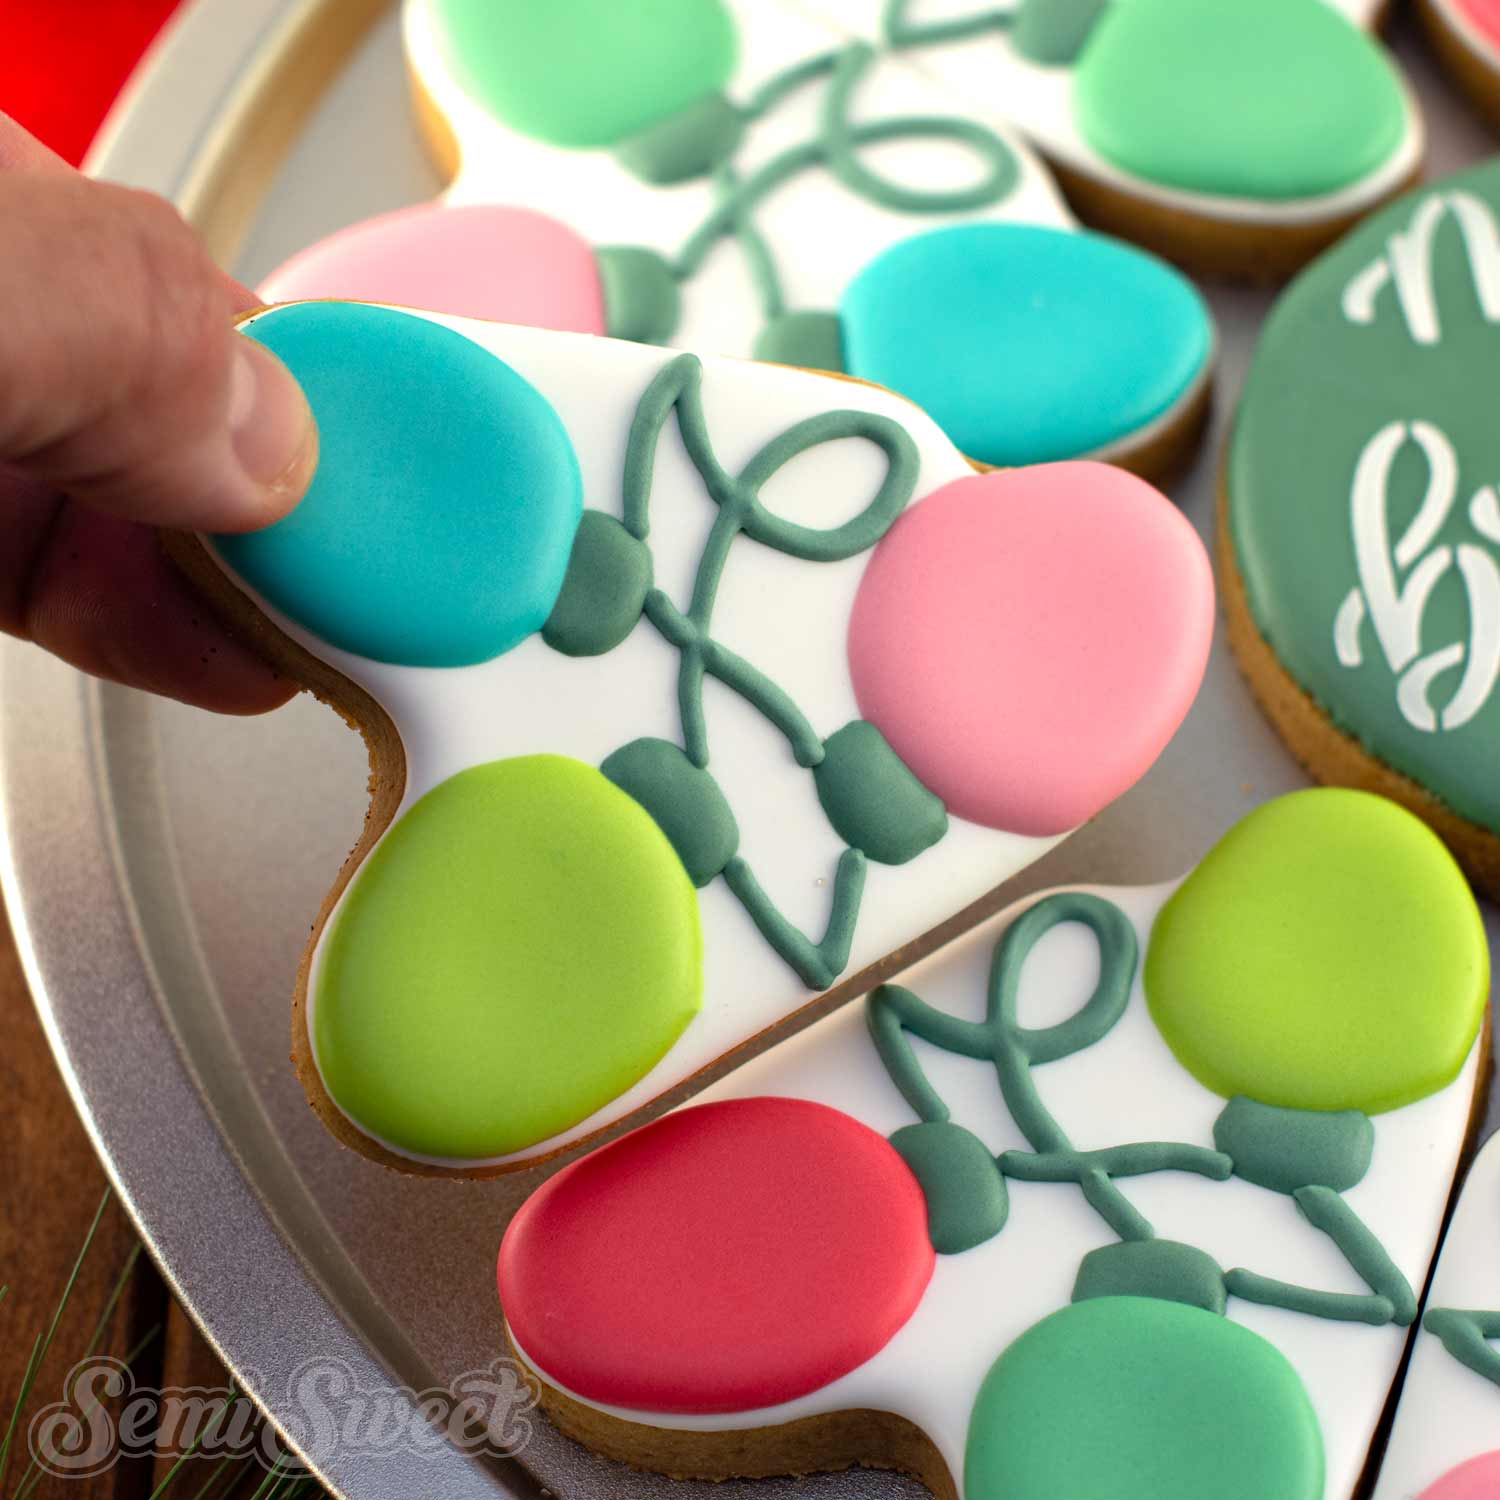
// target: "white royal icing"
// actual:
[[1037, 100], [775, 611], [1126, 1087], [1448, 1414], [828, 232]]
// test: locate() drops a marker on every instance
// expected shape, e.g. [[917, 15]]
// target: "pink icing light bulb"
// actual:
[[1028, 641], [1479, 1479], [508, 265]]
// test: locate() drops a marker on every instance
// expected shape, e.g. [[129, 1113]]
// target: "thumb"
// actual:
[[122, 381]]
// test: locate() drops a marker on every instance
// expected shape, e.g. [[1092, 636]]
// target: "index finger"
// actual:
[[20, 151]]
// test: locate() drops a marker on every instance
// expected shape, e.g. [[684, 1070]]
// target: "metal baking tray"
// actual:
[[161, 865]]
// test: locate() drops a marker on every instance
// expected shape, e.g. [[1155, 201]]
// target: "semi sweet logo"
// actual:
[[1397, 583], [1407, 265]]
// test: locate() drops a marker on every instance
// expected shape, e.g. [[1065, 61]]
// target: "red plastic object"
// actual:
[[62, 62]]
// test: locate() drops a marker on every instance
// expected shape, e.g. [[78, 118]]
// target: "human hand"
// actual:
[[127, 403]]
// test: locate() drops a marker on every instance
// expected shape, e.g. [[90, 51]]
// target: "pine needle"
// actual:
[[194, 1446], [213, 1478], [239, 1462], [33, 1473], [272, 1482], [27, 1376], [286, 1480], [121, 1281], [40, 1348], [286, 1486]]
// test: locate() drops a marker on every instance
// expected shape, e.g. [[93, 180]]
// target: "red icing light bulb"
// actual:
[[727, 1257]]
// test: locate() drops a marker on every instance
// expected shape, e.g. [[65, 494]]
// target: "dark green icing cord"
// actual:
[[1165, 1269], [703, 657], [1136, 1160], [841, 140], [1324, 1209], [901, 33], [1286, 1149], [1466, 1336], [703, 139], [1310, 1157], [816, 964], [893, 1010], [967, 1200], [1390, 1300], [1015, 1050], [765, 279], [1046, 31], [675, 784], [604, 590], [779, 85], [1336, 1307]]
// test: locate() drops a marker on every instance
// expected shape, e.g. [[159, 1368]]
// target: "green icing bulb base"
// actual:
[[1163, 1269], [685, 801], [641, 298], [872, 799], [701, 136], [808, 340]]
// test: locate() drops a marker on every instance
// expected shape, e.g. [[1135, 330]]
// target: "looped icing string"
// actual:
[[1015, 1051], [837, 146]]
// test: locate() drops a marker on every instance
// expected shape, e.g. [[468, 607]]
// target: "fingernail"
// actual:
[[271, 425]]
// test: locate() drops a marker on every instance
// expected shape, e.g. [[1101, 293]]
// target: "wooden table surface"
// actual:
[[50, 1186]]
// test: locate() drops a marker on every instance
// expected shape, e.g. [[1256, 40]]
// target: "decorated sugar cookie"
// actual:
[[694, 688], [736, 178], [1445, 1444], [1130, 1192], [1466, 34], [1361, 554], [1235, 137]]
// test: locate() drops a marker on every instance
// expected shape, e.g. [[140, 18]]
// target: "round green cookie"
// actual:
[[1364, 522], [1326, 955], [521, 948], [1131, 1398]]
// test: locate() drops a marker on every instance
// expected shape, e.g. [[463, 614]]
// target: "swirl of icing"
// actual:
[[1395, 609]]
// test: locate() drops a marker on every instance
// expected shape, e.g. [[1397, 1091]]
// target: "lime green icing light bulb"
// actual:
[[521, 948], [1326, 955]]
